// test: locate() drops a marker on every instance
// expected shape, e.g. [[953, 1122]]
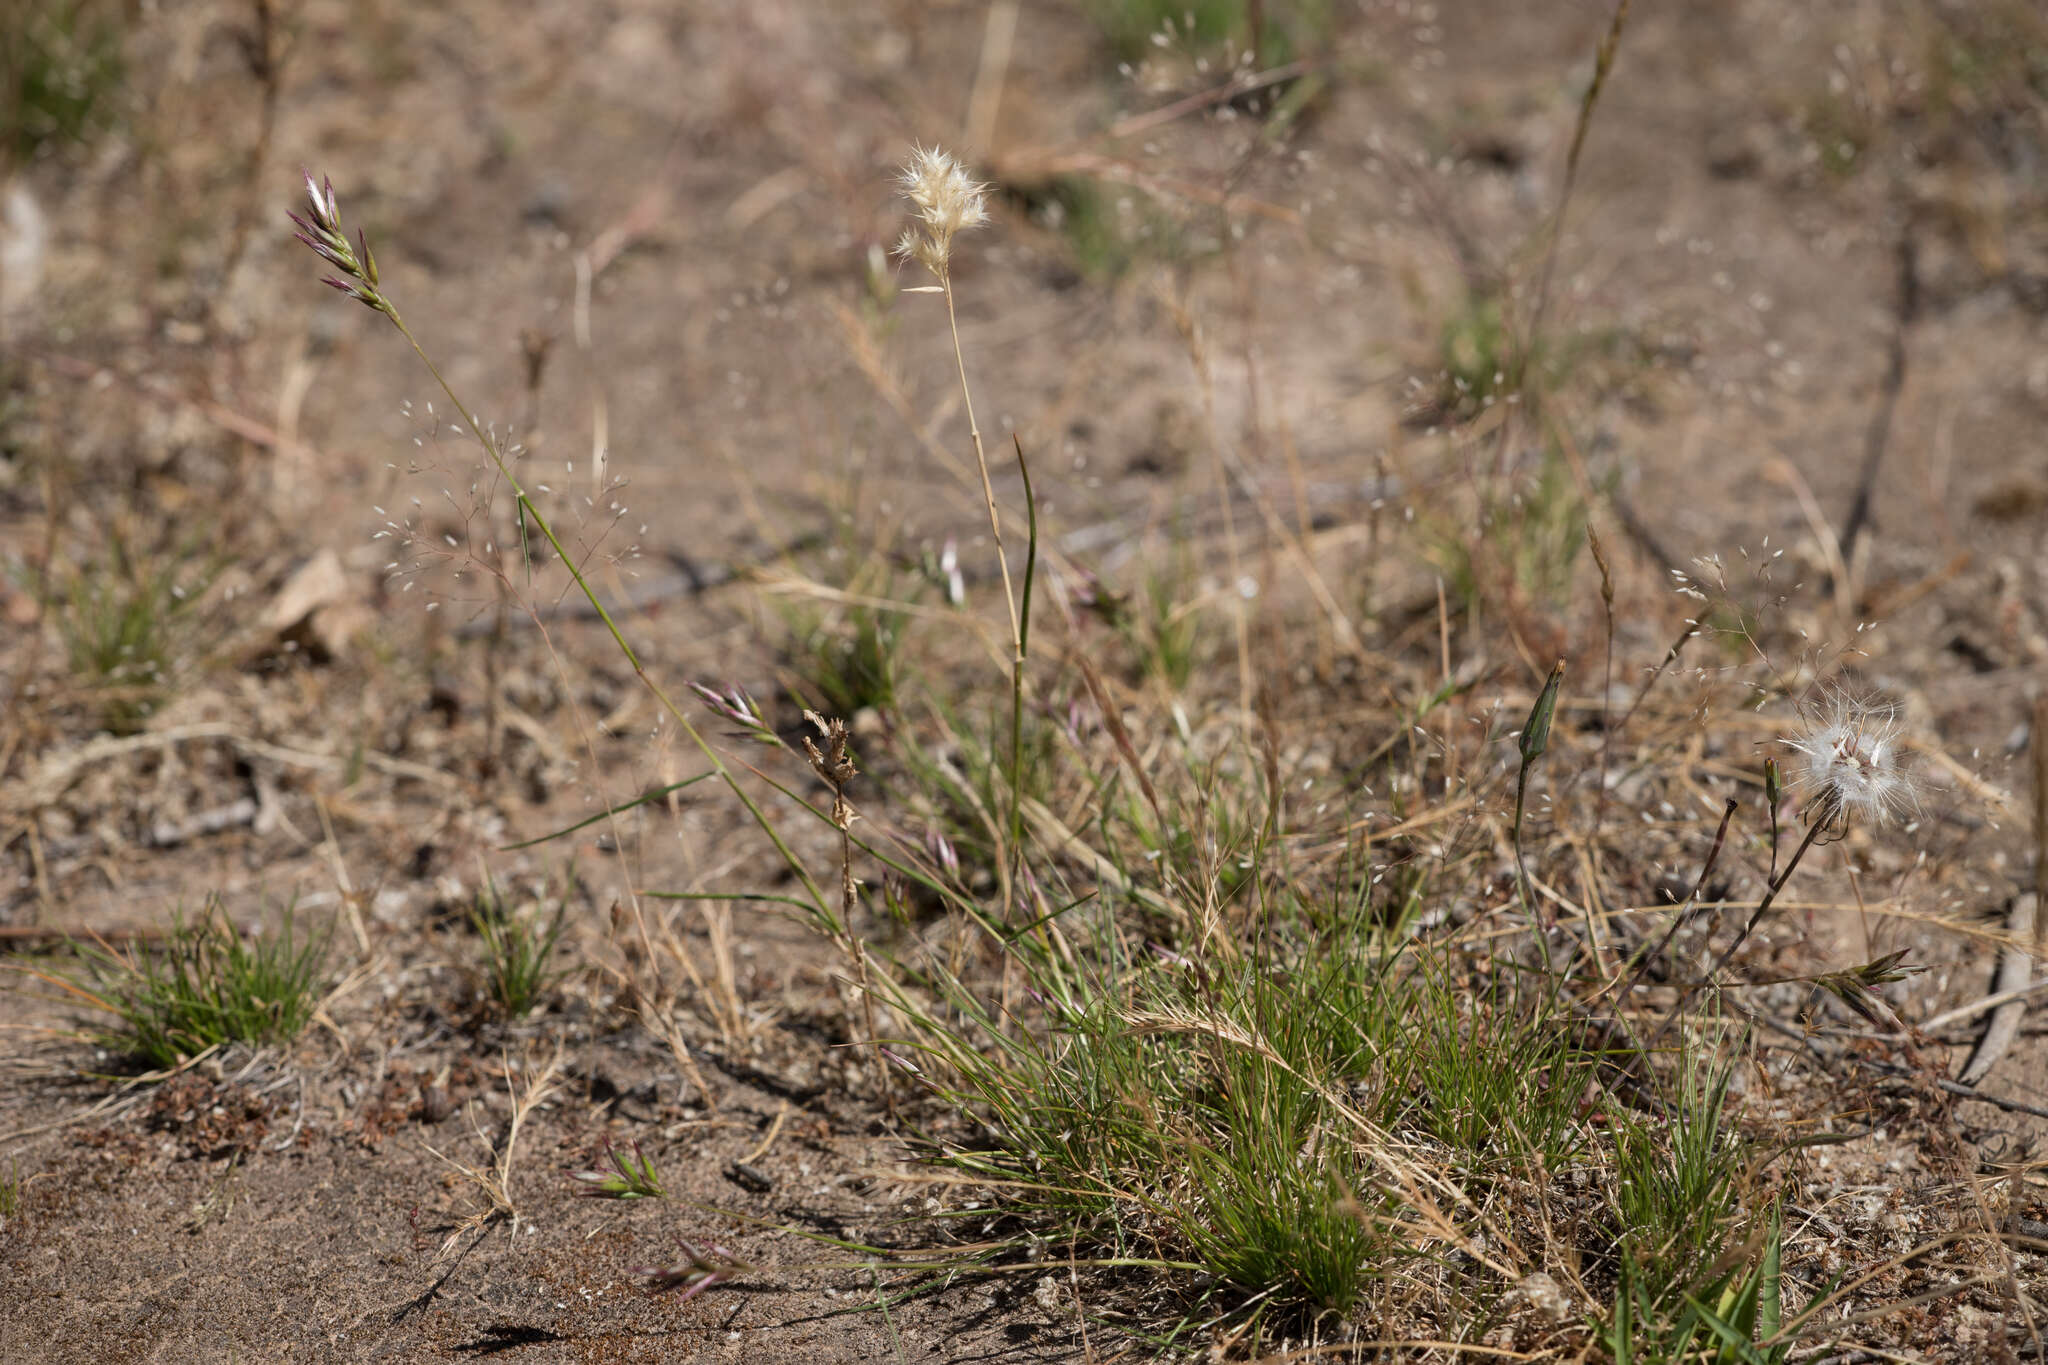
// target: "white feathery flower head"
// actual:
[[948, 203], [1852, 761]]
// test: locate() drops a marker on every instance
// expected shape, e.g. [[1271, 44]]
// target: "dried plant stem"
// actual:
[[1679, 913], [995, 526], [1535, 740], [1813, 833], [833, 762], [988, 492], [1603, 63], [1606, 675]]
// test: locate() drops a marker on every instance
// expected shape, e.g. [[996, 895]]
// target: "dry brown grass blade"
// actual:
[[1235, 88], [1112, 720]]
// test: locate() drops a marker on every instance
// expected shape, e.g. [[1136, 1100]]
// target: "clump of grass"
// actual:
[[1276, 33], [1532, 530], [1498, 1078], [124, 617], [518, 950], [1697, 1279], [1478, 357], [1736, 1319], [1676, 1181], [206, 986], [59, 68], [1259, 1119]]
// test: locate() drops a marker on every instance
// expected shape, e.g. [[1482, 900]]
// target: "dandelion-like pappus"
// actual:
[[1852, 763]]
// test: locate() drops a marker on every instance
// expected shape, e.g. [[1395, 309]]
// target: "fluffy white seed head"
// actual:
[[947, 202], [1851, 762]]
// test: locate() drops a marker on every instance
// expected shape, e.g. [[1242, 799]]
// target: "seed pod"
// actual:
[[1536, 732]]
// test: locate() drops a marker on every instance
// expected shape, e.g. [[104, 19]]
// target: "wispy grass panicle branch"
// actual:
[[358, 278]]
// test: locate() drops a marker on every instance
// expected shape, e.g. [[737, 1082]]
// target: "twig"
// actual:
[[2013, 970], [2009, 1105], [56, 775], [1907, 307], [1963, 1013], [1231, 89]]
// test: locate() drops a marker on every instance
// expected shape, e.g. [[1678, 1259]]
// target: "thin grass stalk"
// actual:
[[995, 526], [1603, 63], [1023, 648], [1606, 672], [1535, 740]]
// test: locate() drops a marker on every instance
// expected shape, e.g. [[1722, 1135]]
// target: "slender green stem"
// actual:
[[1017, 664]]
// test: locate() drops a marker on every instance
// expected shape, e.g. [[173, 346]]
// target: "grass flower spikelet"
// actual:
[[323, 232]]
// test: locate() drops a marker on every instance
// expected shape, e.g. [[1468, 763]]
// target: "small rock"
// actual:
[[338, 625], [317, 583]]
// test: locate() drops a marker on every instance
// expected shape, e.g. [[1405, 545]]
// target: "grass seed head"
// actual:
[[323, 232], [947, 203]]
